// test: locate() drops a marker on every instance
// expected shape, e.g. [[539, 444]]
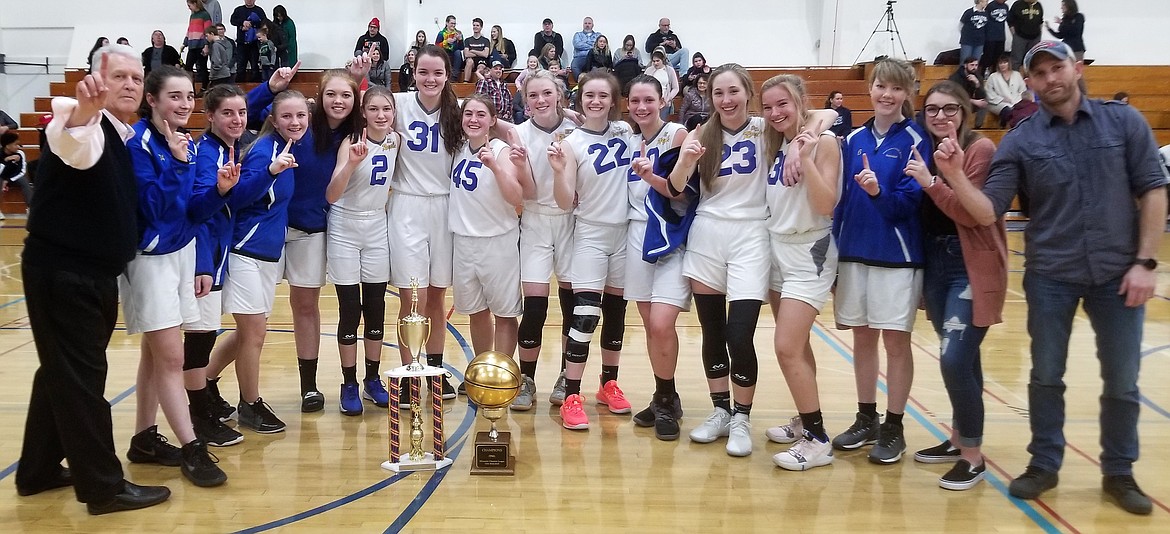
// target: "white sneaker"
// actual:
[[525, 399], [557, 396], [806, 454], [786, 433], [716, 426], [739, 436]]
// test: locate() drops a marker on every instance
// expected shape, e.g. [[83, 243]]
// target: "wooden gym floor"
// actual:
[[323, 472]]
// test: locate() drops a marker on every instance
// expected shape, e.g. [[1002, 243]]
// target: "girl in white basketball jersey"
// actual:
[[419, 233], [485, 194], [804, 258], [546, 231], [591, 167], [659, 288], [726, 257], [358, 251]]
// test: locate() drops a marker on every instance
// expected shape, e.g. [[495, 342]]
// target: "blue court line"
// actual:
[[423, 495], [995, 482], [11, 302]]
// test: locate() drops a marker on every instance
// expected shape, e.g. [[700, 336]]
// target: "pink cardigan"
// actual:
[[984, 247]]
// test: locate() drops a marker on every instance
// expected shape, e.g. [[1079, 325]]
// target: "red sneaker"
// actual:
[[611, 395], [573, 415]]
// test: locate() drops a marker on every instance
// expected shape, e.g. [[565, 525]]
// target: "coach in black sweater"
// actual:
[[82, 231]]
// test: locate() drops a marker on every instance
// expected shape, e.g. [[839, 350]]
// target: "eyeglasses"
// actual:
[[949, 110]]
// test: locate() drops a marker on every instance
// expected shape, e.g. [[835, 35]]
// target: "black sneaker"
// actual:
[[962, 476], [645, 418], [1124, 489], [199, 466], [864, 431], [943, 453], [1033, 482], [150, 447], [312, 401], [259, 418], [665, 422], [404, 393], [449, 390], [220, 408], [890, 446], [210, 430]]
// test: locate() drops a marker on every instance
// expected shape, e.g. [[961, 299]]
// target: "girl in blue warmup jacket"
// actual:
[[159, 286]]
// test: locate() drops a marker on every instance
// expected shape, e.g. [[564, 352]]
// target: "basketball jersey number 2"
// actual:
[[380, 166]]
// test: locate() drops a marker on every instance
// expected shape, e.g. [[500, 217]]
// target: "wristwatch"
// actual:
[[1149, 263]]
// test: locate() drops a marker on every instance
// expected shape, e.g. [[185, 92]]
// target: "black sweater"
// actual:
[[85, 221]]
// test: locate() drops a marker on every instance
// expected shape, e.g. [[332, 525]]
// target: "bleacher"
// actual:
[[1148, 87]]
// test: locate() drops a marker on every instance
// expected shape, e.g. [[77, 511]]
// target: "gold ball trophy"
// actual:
[[413, 331], [492, 381]]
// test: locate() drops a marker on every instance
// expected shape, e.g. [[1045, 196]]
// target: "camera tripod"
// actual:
[[891, 28]]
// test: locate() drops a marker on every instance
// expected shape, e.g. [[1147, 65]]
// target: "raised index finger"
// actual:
[[294, 70], [865, 161], [917, 154], [642, 151], [952, 131], [231, 155], [287, 147]]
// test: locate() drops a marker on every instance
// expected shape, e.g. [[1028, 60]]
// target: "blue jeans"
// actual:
[[947, 292], [970, 51], [1118, 328], [680, 60], [579, 65]]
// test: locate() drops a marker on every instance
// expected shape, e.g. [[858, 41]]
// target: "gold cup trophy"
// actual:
[[492, 380], [413, 331]]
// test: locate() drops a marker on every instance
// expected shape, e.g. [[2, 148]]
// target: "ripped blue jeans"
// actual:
[[947, 292]]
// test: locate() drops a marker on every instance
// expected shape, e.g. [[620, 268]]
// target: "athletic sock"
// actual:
[[745, 409], [722, 399], [199, 401], [663, 386], [894, 418], [349, 374], [814, 424], [308, 371], [868, 408], [436, 360], [528, 368], [572, 387], [608, 372], [372, 369]]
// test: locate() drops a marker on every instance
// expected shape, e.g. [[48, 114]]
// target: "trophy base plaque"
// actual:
[[493, 457], [427, 463]]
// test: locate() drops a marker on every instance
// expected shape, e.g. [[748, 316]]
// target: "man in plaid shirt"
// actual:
[[497, 90]]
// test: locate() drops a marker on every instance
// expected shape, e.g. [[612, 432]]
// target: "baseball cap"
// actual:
[[547, 21], [497, 63], [1057, 49]]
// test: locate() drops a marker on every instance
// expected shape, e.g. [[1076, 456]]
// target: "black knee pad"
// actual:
[[374, 310], [586, 315], [531, 329], [349, 313], [613, 325], [197, 349], [742, 316], [712, 313], [567, 300]]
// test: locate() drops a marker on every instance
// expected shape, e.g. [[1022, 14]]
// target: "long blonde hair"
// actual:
[[795, 86], [542, 74], [711, 132], [270, 122]]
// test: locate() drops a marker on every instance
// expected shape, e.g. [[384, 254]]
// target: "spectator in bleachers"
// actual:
[[997, 14], [124, 41], [533, 65], [267, 50], [583, 45], [1070, 28], [194, 42], [101, 41], [967, 76], [1005, 88], [665, 37], [476, 49], [667, 76], [220, 54], [420, 40], [627, 63], [247, 19], [554, 67], [503, 49], [1024, 20], [280, 18], [159, 53], [379, 69], [496, 89], [519, 108], [547, 36], [973, 33], [14, 167], [843, 124], [548, 53], [406, 72], [372, 38], [279, 43], [699, 67], [214, 11], [450, 39], [600, 56], [695, 108]]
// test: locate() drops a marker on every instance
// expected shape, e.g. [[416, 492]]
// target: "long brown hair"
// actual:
[[482, 99], [795, 86], [615, 91], [154, 84], [711, 132], [450, 122], [953, 90], [319, 121]]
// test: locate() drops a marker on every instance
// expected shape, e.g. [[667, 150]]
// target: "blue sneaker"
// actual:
[[376, 392], [351, 400]]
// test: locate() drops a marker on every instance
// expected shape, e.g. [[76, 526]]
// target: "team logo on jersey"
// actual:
[[560, 136], [752, 132]]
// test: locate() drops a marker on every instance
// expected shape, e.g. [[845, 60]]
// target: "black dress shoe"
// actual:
[[132, 497], [64, 478]]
